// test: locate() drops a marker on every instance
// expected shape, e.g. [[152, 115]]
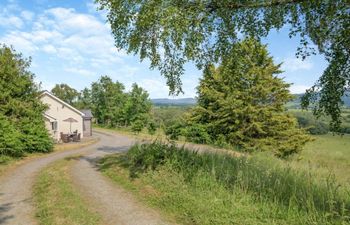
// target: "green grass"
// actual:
[[57, 201], [327, 154], [218, 189]]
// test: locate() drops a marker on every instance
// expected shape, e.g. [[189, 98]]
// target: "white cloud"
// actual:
[[10, 21], [294, 64], [298, 89], [49, 49], [154, 87], [27, 15], [83, 72]]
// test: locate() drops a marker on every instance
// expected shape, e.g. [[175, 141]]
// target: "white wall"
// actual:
[[61, 112]]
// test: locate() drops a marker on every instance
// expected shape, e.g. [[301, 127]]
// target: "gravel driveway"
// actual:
[[113, 203]]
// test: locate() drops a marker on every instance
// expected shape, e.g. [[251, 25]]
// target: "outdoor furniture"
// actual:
[[64, 138], [76, 137]]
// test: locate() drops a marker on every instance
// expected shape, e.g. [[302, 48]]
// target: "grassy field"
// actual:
[[57, 201], [293, 196], [328, 154]]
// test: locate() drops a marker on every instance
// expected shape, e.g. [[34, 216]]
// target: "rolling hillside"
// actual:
[[295, 104]]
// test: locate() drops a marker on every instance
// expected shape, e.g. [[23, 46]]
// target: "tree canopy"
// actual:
[[171, 33], [22, 127], [66, 93], [243, 101]]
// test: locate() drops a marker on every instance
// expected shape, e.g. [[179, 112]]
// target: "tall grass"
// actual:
[[322, 200]]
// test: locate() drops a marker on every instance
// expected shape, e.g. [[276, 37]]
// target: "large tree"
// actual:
[[22, 127], [108, 99], [172, 32], [243, 101], [137, 107], [66, 93]]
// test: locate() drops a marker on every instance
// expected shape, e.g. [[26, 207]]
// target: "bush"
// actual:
[[35, 136], [264, 178], [197, 133], [311, 124], [137, 126], [174, 130], [152, 127], [10, 139], [318, 128]]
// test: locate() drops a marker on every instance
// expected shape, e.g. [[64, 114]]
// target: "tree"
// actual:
[[66, 93], [108, 99], [244, 100], [84, 99], [137, 106], [171, 33], [21, 111]]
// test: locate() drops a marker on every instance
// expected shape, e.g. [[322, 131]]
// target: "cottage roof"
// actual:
[[62, 102], [87, 113]]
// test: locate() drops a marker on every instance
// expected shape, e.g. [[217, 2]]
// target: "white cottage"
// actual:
[[59, 111]]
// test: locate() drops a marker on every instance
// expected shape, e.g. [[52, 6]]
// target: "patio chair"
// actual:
[[76, 137], [64, 138]]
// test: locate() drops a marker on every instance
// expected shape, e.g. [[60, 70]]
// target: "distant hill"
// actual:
[[297, 100], [174, 102], [192, 101]]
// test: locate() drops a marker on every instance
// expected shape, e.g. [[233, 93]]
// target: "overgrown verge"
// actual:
[[220, 189], [57, 201]]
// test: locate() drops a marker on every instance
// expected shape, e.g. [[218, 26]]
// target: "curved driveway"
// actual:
[[115, 205]]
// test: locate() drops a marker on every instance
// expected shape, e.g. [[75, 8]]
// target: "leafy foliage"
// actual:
[[65, 93], [112, 106], [108, 100], [244, 100], [22, 123], [137, 106], [310, 123], [10, 143], [171, 33]]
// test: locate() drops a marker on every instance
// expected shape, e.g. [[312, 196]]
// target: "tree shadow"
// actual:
[[5, 207]]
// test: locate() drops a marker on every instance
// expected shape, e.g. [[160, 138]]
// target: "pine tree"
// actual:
[[244, 100]]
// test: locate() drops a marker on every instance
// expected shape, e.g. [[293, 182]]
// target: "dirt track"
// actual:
[[113, 203]]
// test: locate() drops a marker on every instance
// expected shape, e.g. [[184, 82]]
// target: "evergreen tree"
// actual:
[[22, 123], [244, 100]]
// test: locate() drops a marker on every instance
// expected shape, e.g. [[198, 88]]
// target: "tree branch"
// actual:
[[213, 6]]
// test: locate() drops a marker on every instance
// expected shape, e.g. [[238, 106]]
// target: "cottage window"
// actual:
[[54, 125]]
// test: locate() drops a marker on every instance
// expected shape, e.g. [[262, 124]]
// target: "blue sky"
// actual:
[[70, 42]]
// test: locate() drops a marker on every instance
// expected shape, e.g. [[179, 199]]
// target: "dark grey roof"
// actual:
[[87, 113]]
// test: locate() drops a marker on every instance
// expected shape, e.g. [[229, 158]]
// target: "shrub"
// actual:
[[197, 133], [137, 126], [34, 135], [10, 139], [152, 127], [174, 130]]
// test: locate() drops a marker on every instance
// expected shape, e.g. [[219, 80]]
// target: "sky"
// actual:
[[70, 42]]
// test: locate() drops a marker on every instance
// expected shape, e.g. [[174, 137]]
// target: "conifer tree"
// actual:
[[22, 126], [244, 101]]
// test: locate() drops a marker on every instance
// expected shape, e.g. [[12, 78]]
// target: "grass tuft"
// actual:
[[57, 201]]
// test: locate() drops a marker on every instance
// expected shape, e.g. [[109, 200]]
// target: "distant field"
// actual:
[[328, 154]]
